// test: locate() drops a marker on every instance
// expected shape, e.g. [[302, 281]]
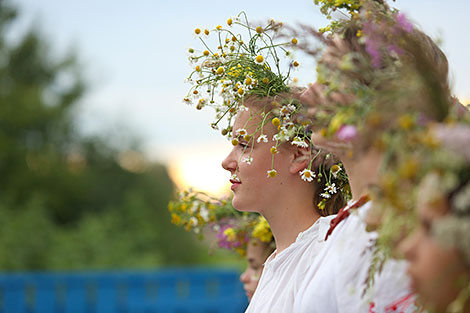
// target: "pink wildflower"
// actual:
[[346, 132]]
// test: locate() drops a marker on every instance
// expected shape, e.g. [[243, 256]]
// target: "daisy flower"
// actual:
[[241, 132], [262, 138], [248, 160], [234, 177], [330, 188], [300, 143], [335, 169], [272, 173], [307, 175], [325, 195]]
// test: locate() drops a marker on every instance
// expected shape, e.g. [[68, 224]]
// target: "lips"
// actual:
[[235, 181]]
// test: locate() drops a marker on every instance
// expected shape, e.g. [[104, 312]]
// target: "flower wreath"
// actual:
[[222, 78], [199, 212]]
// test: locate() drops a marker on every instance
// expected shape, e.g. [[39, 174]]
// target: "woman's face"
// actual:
[[254, 191], [436, 271], [256, 254]]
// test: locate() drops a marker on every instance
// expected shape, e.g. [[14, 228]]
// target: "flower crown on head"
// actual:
[[199, 212], [223, 78]]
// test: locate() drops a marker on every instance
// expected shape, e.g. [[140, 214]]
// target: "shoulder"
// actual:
[[351, 217]]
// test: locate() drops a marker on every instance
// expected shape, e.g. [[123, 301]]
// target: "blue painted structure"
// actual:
[[162, 291]]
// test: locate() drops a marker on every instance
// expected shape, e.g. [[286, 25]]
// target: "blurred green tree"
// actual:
[[66, 201]]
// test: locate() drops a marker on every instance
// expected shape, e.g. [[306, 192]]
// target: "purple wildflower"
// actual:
[[372, 48], [222, 238], [403, 22], [346, 132]]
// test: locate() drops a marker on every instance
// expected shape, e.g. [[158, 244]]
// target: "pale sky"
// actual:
[[134, 57]]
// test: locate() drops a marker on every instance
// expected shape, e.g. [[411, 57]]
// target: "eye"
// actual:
[[243, 144]]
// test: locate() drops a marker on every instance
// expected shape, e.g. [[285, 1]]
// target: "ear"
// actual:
[[300, 160]]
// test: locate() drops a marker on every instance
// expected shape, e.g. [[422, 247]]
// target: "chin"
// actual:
[[240, 206]]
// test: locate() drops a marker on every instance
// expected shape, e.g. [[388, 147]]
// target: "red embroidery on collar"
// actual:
[[344, 213], [401, 305]]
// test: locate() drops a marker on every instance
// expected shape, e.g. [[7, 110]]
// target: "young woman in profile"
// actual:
[[286, 191]]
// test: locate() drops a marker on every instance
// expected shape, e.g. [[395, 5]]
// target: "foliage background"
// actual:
[[69, 201]]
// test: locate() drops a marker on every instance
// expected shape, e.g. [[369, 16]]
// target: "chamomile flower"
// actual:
[[282, 135], [330, 188], [272, 173], [248, 160], [242, 108], [307, 175], [276, 122], [262, 138], [325, 195], [300, 142], [335, 169], [241, 132], [234, 177], [193, 221], [259, 59], [287, 109], [204, 212]]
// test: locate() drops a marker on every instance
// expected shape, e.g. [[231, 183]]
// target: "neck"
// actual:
[[363, 172], [287, 220]]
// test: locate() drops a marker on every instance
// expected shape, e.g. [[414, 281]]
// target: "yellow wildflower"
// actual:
[[259, 59], [231, 234], [175, 219], [262, 231], [406, 121], [294, 41], [276, 121], [229, 22]]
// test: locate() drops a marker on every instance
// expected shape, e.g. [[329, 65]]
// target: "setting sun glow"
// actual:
[[200, 168]]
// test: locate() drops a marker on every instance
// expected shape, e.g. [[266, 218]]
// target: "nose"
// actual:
[[244, 277], [230, 162]]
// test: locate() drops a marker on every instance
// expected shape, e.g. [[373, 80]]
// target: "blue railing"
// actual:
[[162, 291]]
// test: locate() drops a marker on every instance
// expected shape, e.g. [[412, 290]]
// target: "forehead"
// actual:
[[251, 120], [431, 210], [256, 250]]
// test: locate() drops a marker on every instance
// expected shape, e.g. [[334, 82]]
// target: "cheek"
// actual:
[[435, 272]]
